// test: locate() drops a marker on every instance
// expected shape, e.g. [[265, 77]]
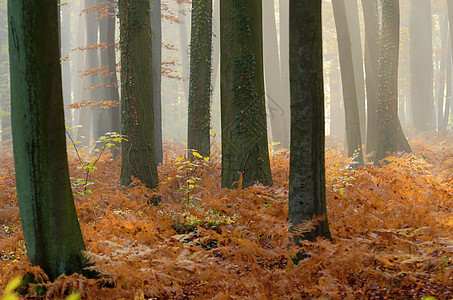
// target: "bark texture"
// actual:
[[243, 116], [200, 89], [137, 110], [307, 198], [49, 221]]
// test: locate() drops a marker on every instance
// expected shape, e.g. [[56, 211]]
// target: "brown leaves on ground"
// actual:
[[392, 230]]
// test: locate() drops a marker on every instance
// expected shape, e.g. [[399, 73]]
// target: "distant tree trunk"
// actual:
[[101, 121], [244, 126], [337, 121], [352, 118], [422, 66], [284, 56], [440, 82], [4, 76], [372, 82], [352, 13], [184, 49], [307, 198], [371, 70], [449, 95], [84, 133], [200, 90], [156, 29], [387, 139], [137, 113], [65, 38], [49, 221], [277, 105]]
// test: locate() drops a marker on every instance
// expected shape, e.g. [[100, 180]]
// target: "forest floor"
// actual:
[[392, 231]]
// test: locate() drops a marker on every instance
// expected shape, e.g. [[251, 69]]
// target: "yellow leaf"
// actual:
[[13, 284], [206, 158], [74, 296], [195, 153], [180, 158]]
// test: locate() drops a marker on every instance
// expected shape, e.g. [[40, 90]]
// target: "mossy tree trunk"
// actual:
[[200, 90], [48, 215], [307, 198], [137, 110], [387, 137], [348, 80], [244, 126], [156, 29]]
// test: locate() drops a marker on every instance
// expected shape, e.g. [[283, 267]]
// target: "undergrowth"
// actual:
[[392, 233]]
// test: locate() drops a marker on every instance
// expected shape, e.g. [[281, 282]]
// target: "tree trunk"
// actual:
[[387, 139], [284, 57], [348, 81], [449, 95], [244, 126], [440, 82], [352, 14], [4, 77], [200, 90], [277, 105], [422, 66], [49, 221], [337, 121], [137, 113], [307, 198], [371, 70], [156, 29], [184, 49], [65, 37]]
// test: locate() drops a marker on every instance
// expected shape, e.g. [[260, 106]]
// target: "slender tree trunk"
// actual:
[[244, 126], [337, 114], [277, 105], [422, 66], [4, 76], [441, 80], [200, 90], [184, 50], [387, 139], [65, 36], [352, 13], [284, 56], [307, 198], [156, 29], [371, 70], [348, 81], [84, 133], [137, 113], [47, 211], [449, 95]]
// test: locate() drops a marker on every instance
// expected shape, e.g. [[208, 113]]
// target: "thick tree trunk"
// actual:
[[156, 29], [278, 106], [137, 113], [423, 114], [348, 81], [307, 198], [352, 13], [200, 90], [244, 127], [49, 221], [387, 139]]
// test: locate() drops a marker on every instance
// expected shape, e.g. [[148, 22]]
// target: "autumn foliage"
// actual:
[[392, 232]]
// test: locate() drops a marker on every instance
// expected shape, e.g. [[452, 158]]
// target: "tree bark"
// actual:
[[387, 139], [307, 198], [277, 105], [243, 112], [156, 29], [352, 14], [348, 80], [47, 211], [200, 89], [423, 114], [137, 110]]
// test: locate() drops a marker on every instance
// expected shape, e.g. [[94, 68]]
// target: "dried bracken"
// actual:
[[392, 233]]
